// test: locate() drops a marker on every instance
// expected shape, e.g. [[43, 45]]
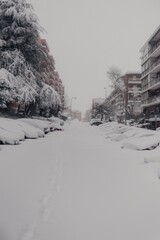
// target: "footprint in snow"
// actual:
[[27, 233]]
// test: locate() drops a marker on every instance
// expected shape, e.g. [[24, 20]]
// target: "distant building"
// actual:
[[87, 115], [150, 63], [125, 100], [76, 115]]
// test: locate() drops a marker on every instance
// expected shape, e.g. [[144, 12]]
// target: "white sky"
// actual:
[[86, 37]]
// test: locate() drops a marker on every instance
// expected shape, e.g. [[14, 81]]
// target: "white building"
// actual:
[[150, 62]]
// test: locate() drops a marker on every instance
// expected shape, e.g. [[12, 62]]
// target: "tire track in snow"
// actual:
[[27, 233], [48, 201], [47, 204]]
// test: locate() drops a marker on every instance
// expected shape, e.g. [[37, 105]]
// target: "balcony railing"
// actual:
[[155, 99], [155, 64], [145, 72], [154, 47], [154, 81], [145, 87], [134, 90]]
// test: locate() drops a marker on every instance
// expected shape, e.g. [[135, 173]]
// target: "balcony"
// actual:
[[154, 83], [145, 73], [134, 90], [155, 67], [134, 100], [145, 88], [155, 50], [136, 81], [151, 101]]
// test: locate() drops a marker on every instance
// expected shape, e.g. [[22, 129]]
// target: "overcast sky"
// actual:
[[86, 37]]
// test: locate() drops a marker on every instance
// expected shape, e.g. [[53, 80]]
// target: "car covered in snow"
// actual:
[[96, 122]]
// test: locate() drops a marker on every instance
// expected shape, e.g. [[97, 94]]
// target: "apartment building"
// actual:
[[125, 100], [150, 63]]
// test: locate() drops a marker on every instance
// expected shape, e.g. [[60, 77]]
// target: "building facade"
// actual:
[[76, 115], [125, 100], [87, 116], [150, 64]]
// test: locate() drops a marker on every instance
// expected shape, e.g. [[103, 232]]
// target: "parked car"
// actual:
[[131, 122], [96, 122], [144, 125]]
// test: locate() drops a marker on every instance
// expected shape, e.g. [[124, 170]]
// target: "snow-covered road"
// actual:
[[75, 185]]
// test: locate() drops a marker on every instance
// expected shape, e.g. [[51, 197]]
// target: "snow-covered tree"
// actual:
[[21, 54], [15, 90], [25, 82], [49, 99], [8, 87], [19, 28], [100, 110]]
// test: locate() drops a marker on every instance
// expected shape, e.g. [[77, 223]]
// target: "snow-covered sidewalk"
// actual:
[[76, 185]]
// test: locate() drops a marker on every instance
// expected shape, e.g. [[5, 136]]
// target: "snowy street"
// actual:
[[75, 185], [79, 120]]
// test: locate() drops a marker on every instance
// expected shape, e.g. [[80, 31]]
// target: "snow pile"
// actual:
[[131, 137], [13, 131], [9, 125], [10, 133], [55, 126], [37, 123], [117, 137], [142, 143], [52, 123], [110, 128], [30, 131], [44, 125], [56, 120], [7, 137], [56, 123], [151, 159]]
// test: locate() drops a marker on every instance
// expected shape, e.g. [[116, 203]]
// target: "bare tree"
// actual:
[[101, 110], [114, 73]]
